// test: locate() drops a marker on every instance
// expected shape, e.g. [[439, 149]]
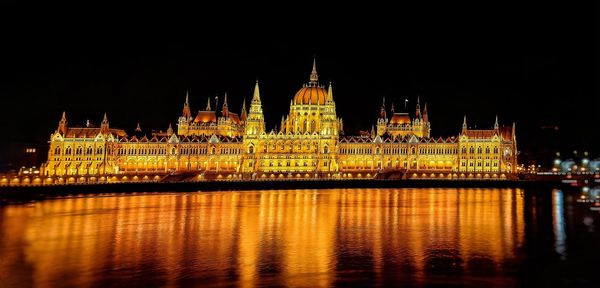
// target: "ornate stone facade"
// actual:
[[308, 144]]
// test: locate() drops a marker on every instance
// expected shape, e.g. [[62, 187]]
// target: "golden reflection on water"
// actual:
[[295, 238]]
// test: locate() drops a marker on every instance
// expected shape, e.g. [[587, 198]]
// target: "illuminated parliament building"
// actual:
[[310, 143]]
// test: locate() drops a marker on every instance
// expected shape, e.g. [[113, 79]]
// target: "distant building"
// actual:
[[309, 143]]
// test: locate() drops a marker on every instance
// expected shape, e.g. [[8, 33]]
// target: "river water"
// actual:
[[303, 238]]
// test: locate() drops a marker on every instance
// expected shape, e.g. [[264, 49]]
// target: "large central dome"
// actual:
[[311, 93]]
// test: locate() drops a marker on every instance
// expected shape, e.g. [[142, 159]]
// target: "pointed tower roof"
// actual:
[[208, 108], [225, 110], [104, 125], [244, 113], [330, 93], [464, 125], [170, 130], [138, 128], [418, 108], [382, 112], [105, 120], [514, 132], [186, 106], [256, 95], [496, 126], [62, 124], [314, 77]]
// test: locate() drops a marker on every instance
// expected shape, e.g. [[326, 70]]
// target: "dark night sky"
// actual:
[[537, 65]]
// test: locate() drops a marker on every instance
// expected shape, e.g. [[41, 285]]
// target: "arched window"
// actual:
[[213, 151], [57, 151], [99, 150], [325, 149], [251, 149], [487, 150], [89, 151], [479, 150], [173, 151], [472, 150], [377, 150], [495, 149], [79, 150]]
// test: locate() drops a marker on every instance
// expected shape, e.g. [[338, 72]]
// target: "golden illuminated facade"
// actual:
[[309, 143]]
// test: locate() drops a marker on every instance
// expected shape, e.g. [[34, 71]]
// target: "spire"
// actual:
[[392, 108], [382, 113], [62, 124], [255, 123], [514, 132], [105, 120], [464, 126], [425, 114], [216, 102], [244, 114], [496, 123], [186, 106], [314, 77], [418, 108], [225, 109], [256, 96], [170, 130], [208, 105], [372, 131], [282, 124], [329, 93], [104, 125]]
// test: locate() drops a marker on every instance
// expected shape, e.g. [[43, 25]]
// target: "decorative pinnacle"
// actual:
[[256, 96], [314, 77]]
